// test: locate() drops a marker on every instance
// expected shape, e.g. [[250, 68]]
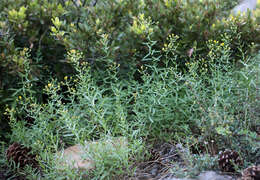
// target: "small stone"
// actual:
[[244, 6], [77, 156], [73, 157]]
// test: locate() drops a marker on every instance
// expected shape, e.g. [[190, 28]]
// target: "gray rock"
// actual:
[[208, 175], [172, 178], [244, 6], [211, 175]]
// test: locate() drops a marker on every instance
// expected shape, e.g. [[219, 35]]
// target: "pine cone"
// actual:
[[228, 160], [20, 155], [251, 173]]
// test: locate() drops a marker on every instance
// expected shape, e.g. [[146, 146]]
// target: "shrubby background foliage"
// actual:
[[179, 71]]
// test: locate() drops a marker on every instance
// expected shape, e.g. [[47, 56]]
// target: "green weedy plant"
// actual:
[[127, 25], [22, 24], [167, 105], [228, 109], [94, 112], [212, 103]]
